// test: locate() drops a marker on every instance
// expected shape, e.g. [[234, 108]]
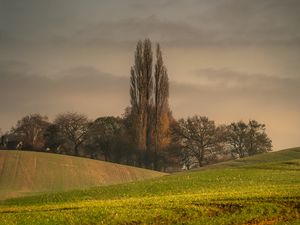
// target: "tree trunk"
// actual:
[[200, 162], [76, 150]]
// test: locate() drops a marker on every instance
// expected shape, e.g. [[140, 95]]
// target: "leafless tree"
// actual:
[[30, 130], [258, 140], [74, 127], [237, 135], [199, 136], [248, 139]]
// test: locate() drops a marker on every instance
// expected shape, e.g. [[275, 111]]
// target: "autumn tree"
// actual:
[[161, 106], [30, 130], [74, 128]]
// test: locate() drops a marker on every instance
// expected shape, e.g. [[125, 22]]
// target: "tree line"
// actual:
[[203, 142], [146, 135]]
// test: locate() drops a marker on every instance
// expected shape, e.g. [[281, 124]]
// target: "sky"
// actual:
[[229, 60]]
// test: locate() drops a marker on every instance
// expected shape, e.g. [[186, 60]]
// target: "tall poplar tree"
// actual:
[[141, 89], [161, 105], [149, 92]]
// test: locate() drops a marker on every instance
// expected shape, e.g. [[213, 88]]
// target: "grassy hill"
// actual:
[[24, 173], [263, 189]]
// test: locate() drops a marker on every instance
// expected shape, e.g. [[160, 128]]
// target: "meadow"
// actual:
[[263, 189]]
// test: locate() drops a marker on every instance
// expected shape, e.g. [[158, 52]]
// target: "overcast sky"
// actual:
[[227, 59]]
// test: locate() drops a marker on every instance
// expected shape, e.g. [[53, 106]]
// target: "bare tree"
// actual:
[[30, 130], [248, 139], [237, 135], [199, 136], [257, 140], [74, 127]]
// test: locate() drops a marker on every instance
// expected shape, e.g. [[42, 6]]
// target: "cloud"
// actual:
[[226, 22], [82, 89], [142, 4], [238, 30], [226, 96], [259, 88], [256, 21], [178, 24], [229, 78]]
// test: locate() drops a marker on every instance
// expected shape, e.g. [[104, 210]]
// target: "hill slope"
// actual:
[[23, 173], [263, 189]]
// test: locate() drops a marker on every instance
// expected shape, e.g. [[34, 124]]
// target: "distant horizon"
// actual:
[[229, 60]]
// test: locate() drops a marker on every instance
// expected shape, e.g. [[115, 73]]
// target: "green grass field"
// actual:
[[264, 189]]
